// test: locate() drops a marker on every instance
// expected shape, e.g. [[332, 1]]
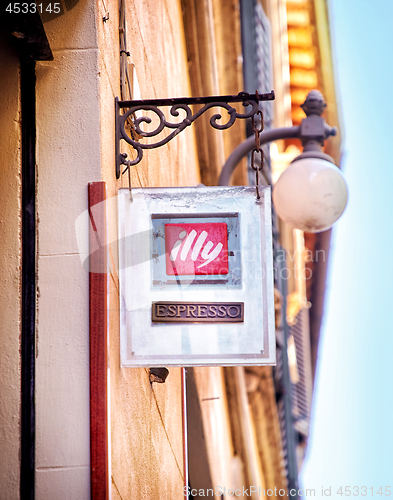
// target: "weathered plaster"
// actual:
[[68, 158], [10, 262]]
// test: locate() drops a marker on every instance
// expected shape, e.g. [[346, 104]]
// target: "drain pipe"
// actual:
[[27, 466]]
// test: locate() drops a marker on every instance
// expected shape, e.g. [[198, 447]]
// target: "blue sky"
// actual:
[[351, 441]]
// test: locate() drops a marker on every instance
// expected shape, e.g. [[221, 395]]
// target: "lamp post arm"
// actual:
[[246, 147]]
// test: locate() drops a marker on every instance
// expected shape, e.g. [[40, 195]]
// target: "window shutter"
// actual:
[[302, 390]]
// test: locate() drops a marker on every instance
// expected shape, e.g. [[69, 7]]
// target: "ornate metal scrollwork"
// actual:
[[177, 107]]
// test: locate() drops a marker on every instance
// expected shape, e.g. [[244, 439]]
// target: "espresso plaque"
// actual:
[[198, 312]]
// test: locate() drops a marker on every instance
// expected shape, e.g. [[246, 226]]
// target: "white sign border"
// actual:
[[135, 219]]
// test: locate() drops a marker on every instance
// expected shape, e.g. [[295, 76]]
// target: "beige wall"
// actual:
[[10, 282], [68, 157]]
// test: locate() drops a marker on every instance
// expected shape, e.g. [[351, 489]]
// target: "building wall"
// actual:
[[75, 146], [10, 262], [68, 157]]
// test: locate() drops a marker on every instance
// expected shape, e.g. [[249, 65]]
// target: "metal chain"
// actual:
[[257, 149]]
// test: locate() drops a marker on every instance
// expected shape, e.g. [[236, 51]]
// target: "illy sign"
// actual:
[[196, 277], [196, 248]]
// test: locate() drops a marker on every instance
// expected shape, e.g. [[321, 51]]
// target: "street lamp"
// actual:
[[311, 194]]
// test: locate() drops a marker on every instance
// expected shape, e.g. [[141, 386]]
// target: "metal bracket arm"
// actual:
[[177, 104], [313, 131]]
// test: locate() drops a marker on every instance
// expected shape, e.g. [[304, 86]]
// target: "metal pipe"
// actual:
[[245, 147], [28, 311]]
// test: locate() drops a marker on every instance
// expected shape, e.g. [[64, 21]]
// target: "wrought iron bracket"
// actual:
[[177, 106]]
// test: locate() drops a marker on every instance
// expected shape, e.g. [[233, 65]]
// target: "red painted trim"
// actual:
[[99, 459]]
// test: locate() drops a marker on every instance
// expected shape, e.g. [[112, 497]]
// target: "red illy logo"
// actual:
[[194, 249]]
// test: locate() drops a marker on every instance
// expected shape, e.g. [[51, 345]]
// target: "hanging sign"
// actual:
[[196, 277]]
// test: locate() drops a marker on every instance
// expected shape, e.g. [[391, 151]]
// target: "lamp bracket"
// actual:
[[129, 123]]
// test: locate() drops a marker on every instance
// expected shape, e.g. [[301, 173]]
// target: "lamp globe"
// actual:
[[311, 194]]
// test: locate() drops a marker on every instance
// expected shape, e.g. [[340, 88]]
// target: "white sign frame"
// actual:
[[151, 344]]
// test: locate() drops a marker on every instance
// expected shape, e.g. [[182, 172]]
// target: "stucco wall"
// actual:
[[10, 261], [68, 157]]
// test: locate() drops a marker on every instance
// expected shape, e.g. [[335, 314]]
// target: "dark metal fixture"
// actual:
[[29, 289], [177, 105], [313, 131], [158, 375]]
